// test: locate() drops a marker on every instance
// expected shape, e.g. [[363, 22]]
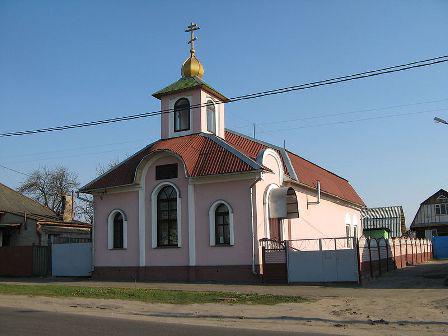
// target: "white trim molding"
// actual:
[[191, 226], [270, 152], [154, 194], [110, 229], [140, 176], [211, 215], [267, 191]]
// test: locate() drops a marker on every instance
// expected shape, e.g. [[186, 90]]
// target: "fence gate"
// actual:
[[41, 260], [71, 259], [322, 260], [440, 247]]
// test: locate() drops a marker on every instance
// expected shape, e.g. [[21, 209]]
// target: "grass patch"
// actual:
[[148, 295]]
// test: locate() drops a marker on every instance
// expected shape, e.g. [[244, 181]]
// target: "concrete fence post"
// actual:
[[387, 255], [370, 256], [379, 256]]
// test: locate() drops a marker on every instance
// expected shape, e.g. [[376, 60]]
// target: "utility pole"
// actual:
[[254, 130]]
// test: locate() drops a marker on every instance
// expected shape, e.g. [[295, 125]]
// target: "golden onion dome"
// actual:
[[192, 67]]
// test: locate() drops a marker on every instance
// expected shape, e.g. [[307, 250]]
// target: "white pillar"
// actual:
[[191, 225], [141, 224]]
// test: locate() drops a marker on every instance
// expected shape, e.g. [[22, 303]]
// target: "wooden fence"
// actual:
[[25, 261]]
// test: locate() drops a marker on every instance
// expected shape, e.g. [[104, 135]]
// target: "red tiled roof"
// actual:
[[250, 147], [201, 154], [307, 172], [205, 155]]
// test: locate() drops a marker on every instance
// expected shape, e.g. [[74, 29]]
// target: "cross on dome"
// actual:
[[190, 29], [192, 67]]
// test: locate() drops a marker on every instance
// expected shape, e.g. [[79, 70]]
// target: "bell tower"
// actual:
[[190, 105]]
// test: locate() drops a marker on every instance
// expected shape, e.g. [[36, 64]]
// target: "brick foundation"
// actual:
[[231, 273]]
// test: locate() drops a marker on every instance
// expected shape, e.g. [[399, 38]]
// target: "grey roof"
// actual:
[[391, 217], [383, 212], [14, 202], [431, 224]]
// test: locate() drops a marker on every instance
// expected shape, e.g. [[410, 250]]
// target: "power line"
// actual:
[[351, 112], [13, 170], [355, 120], [73, 149], [258, 131], [336, 80]]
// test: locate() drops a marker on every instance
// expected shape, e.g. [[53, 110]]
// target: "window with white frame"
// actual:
[[221, 224], [347, 233], [211, 117], [166, 216], [117, 230], [355, 231], [441, 209], [182, 115]]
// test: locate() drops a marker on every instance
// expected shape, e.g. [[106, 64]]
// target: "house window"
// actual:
[[222, 225], [211, 117], [347, 233], [441, 209], [182, 115], [167, 217], [118, 230], [165, 172], [355, 231]]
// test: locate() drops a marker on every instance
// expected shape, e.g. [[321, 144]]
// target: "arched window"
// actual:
[[182, 115], [211, 117], [117, 230], [167, 217], [222, 225]]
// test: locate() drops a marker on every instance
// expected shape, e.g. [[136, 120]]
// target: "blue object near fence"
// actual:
[[440, 247]]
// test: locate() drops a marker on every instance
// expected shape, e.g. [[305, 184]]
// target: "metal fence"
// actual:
[[70, 240], [322, 260], [273, 265], [370, 257]]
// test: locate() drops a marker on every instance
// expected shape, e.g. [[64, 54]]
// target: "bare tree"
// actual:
[[48, 186], [84, 208], [102, 168], [84, 204]]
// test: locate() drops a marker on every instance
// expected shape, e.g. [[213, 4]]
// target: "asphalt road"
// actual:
[[15, 322]]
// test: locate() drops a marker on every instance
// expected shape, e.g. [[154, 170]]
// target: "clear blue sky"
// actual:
[[71, 61]]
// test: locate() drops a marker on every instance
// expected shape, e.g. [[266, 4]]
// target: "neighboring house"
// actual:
[[432, 216], [194, 204], [25, 222], [386, 222]]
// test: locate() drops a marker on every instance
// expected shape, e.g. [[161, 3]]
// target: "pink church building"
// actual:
[[193, 205]]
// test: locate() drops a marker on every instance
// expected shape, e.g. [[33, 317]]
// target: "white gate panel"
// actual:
[[71, 259]]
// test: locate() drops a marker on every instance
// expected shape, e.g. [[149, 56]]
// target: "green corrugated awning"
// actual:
[[187, 83]]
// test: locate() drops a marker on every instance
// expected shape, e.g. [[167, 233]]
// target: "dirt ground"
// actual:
[[412, 301]]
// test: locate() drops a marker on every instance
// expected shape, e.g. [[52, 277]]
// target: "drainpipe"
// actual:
[[252, 223]]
